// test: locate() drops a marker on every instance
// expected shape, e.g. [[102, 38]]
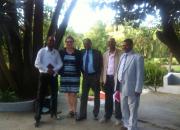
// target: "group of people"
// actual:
[[119, 74]]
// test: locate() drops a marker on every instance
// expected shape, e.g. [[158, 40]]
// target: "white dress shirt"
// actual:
[[46, 57], [110, 67]]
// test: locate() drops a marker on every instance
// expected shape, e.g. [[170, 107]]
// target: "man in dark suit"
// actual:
[[91, 69]]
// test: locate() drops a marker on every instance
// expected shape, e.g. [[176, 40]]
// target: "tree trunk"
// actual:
[[29, 81], [38, 27], [170, 61], [27, 41], [168, 35], [62, 28], [37, 44], [170, 39], [15, 49], [54, 21], [5, 79]]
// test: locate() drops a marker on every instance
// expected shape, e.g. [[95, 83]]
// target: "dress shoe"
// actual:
[[96, 118], [53, 115], [117, 122], [71, 114], [37, 123], [104, 120], [123, 128], [58, 117], [80, 118]]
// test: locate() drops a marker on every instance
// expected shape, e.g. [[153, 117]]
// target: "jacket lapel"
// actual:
[[130, 58], [116, 58], [107, 58], [120, 62]]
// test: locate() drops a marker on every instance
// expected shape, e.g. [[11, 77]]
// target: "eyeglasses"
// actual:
[[69, 41]]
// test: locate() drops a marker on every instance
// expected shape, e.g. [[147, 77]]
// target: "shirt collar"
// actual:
[[47, 49], [112, 53], [89, 50], [129, 53]]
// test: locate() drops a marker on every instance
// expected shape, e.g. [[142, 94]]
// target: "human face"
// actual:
[[87, 45], [69, 43], [127, 47], [111, 44], [50, 43]]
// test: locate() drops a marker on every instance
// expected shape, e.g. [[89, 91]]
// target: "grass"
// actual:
[[176, 68]]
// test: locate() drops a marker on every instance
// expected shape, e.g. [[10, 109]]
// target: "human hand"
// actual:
[[50, 71], [137, 93], [50, 66]]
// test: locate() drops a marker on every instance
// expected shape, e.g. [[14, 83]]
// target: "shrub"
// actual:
[[174, 61], [8, 96], [154, 74]]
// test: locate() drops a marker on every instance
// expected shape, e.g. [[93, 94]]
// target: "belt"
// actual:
[[110, 76], [90, 73]]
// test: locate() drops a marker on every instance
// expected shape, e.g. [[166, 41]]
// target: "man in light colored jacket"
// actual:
[[130, 77], [109, 77]]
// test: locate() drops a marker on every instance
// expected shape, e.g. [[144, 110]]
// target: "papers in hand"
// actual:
[[117, 96]]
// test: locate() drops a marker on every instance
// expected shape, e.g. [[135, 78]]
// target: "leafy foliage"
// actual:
[[98, 35], [145, 42], [154, 74], [21, 34], [137, 10], [8, 96], [77, 37]]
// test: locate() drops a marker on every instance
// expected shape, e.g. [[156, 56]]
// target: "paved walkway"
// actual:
[[157, 112]]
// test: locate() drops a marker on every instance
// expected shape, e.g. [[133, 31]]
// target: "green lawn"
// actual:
[[176, 68]]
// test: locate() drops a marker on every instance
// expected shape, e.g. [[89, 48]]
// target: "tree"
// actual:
[[21, 36], [77, 37], [136, 11], [98, 35], [145, 42]]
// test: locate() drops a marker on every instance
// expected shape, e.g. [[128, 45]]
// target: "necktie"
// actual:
[[87, 61], [122, 67], [125, 58]]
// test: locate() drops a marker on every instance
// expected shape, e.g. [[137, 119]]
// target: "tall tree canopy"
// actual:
[[21, 36], [135, 11]]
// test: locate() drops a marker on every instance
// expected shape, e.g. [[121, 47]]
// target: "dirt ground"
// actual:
[[157, 112]]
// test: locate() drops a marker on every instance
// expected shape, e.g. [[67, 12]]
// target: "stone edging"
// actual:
[[23, 106]]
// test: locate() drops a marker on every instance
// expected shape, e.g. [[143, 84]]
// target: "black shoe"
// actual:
[[104, 120], [71, 114], [123, 128], [80, 118], [53, 115], [95, 117], [37, 123]]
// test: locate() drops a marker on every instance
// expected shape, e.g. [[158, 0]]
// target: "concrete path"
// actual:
[[157, 112]]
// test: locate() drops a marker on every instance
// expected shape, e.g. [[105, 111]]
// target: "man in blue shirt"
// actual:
[[91, 69]]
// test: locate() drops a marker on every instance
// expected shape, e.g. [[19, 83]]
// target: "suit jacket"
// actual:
[[97, 61], [133, 74], [105, 65]]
